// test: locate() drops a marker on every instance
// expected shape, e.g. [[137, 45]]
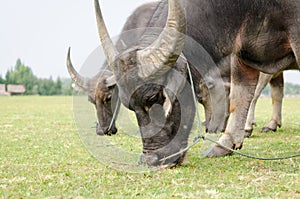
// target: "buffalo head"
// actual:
[[100, 89], [151, 79]]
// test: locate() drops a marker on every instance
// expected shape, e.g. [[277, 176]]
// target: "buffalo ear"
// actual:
[[110, 81]]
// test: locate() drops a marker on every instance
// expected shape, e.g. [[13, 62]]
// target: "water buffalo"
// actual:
[[135, 22], [265, 40], [100, 89], [102, 85], [161, 98], [257, 35], [133, 28]]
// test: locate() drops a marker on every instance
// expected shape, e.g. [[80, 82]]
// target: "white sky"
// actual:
[[39, 32]]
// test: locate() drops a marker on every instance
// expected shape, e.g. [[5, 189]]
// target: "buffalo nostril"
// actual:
[[111, 131], [114, 130]]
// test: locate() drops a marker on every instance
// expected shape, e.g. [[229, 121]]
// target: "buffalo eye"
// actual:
[[153, 99], [150, 101]]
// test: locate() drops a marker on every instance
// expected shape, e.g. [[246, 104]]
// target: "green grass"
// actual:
[[42, 155]]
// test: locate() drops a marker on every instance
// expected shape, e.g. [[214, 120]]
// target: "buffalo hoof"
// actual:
[[223, 148], [267, 130], [248, 133], [217, 151]]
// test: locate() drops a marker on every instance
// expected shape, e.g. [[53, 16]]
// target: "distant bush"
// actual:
[[289, 89]]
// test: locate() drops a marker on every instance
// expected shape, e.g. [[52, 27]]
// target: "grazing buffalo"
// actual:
[[100, 89], [265, 39], [258, 35], [132, 29], [160, 97], [102, 85]]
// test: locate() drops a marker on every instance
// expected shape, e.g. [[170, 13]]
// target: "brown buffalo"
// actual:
[[100, 89]]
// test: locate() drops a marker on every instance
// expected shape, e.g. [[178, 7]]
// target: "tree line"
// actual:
[[289, 89], [22, 74]]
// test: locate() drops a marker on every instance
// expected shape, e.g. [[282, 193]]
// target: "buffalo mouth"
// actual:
[[157, 159], [111, 131], [106, 131], [166, 138], [158, 149]]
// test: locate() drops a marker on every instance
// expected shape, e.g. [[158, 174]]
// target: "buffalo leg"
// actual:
[[243, 84], [277, 85], [263, 80], [294, 40]]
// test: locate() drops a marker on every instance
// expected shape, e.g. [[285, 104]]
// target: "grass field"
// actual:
[[43, 155]]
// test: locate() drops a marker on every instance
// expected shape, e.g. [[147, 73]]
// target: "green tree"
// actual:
[[58, 86], [51, 86], [67, 86], [2, 81], [18, 64], [22, 74], [44, 86], [7, 75], [291, 89]]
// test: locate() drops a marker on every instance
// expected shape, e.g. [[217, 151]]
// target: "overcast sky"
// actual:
[[39, 32]]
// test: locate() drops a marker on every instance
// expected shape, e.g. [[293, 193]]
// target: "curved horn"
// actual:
[[77, 78], [157, 59], [107, 44]]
